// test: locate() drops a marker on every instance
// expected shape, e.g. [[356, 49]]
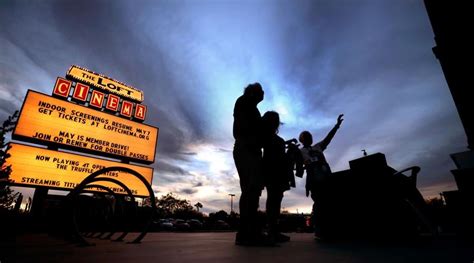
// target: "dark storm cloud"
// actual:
[[187, 191], [169, 168], [351, 44], [7, 108]]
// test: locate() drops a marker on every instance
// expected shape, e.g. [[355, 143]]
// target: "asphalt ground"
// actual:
[[220, 247]]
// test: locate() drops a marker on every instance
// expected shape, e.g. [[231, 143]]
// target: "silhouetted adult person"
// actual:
[[277, 177], [317, 171], [248, 161]]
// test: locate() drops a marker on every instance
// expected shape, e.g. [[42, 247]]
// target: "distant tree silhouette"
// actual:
[[436, 202], [198, 206], [439, 214], [219, 215], [6, 194], [170, 205]]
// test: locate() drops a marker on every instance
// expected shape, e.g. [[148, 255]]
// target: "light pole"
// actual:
[[231, 203]]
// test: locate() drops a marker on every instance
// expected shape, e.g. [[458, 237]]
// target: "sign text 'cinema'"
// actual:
[[83, 94]]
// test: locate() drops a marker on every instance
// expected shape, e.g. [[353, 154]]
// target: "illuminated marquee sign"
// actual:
[[91, 113], [51, 121], [33, 166], [104, 83], [98, 100]]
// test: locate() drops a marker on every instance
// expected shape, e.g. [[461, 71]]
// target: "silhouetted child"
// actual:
[[277, 178], [317, 170]]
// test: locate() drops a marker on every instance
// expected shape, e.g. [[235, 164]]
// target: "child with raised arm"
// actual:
[[317, 169]]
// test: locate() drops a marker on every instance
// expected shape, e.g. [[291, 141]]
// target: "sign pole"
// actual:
[[39, 197]]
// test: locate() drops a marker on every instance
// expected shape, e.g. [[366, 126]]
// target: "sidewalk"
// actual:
[[219, 247]]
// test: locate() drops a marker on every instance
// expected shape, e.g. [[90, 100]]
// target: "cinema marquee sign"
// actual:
[[50, 121], [33, 166], [89, 113]]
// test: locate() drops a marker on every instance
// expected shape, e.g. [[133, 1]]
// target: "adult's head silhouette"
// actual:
[[254, 92]]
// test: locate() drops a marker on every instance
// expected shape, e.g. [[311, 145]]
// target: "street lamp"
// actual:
[[231, 203]]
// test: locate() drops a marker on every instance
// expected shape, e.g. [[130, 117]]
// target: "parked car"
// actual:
[[181, 225], [165, 224], [195, 224], [221, 225]]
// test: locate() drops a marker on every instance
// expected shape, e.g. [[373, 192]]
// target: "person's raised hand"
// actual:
[[340, 119]]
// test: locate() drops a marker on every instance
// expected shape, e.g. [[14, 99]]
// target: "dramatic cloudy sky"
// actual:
[[370, 60]]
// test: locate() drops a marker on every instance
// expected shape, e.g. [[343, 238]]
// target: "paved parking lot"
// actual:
[[219, 247]]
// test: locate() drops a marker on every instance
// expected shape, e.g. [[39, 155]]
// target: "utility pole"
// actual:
[[231, 203]]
